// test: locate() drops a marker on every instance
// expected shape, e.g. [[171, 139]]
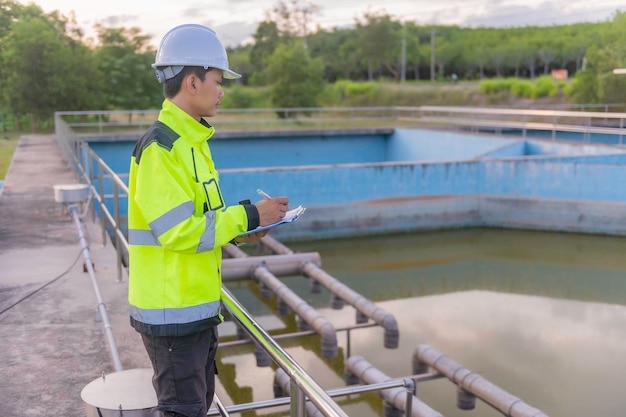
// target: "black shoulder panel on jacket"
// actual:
[[159, 133]]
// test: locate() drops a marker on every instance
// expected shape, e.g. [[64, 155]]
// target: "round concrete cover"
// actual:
[[125, 390]]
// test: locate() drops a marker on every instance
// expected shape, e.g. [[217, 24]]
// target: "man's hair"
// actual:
[[172, 86]]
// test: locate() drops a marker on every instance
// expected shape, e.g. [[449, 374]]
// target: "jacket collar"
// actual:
[[182, 123]]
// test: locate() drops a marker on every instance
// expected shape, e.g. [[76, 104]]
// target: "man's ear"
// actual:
[[191, 83]]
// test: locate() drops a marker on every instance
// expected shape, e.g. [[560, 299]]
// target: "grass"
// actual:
[[8, 143]]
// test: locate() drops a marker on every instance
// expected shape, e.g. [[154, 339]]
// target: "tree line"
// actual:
[[47, 64]]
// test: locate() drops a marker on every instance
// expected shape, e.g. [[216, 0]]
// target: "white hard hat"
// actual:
[[190, 45]]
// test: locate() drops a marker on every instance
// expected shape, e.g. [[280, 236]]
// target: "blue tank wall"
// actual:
[[407, 178]]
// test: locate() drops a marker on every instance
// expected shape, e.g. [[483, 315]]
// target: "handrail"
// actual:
[[497, 119], [299, 376], [516, 112]]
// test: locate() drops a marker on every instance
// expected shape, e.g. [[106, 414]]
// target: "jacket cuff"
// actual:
[[253, 216]]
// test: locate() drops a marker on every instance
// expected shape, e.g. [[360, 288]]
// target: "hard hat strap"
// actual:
[[166, 73]]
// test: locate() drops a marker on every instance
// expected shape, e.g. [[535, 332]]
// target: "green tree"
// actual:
[[294, 19], [610, 57], [124, 57], [266, 40], [297, 79], [414, 53], [585, 87], [37, 68], [239, 61], [379, 41], [338, 51]]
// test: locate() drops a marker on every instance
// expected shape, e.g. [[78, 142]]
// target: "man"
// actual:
[[178, 223]]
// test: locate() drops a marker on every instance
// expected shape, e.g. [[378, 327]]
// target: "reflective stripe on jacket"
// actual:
[[177, 225]]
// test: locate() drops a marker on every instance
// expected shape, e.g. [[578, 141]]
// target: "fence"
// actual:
[[487, 119]]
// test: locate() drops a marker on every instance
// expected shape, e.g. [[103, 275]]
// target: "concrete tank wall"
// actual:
[[380, 182]]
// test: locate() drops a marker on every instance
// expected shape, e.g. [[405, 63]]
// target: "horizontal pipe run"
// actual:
[[302, 309], [472, 382], [275, 246], [337, 392], [364, 306], [366, 372], [308, 314], [237, 268], [294, 335]]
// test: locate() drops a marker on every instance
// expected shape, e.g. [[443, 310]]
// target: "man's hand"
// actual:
[[271, 210], [252, 237]]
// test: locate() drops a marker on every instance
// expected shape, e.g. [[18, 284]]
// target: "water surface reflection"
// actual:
[[539, 314]]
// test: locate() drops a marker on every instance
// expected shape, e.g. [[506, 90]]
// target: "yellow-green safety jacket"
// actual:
[[177, 225]]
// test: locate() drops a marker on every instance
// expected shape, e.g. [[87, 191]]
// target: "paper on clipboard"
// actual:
[[290, 217]]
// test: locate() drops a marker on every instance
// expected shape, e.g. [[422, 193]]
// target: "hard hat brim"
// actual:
[[230, 74]]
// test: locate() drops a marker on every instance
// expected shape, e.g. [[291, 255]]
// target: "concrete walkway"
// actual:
[[50, 342]]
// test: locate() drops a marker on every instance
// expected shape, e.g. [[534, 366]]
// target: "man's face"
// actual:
[[210, 93]]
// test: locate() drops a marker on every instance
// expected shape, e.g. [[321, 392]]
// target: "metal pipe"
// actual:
[[337, 392], [472, 382], [366, 372], [370, 310], [117, 363], [308, 314], [237, 268], [220, 406], [303, 309], [282, 384], [275, 246], [303, 380], [364, 306]]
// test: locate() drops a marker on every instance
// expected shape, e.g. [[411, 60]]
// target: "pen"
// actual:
[[263, 193]]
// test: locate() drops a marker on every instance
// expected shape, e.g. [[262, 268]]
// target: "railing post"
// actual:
[[89, 170], [410, 391], [101, 192], [298, 400], [118, 249]]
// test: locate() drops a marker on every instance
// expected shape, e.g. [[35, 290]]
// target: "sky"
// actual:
[[236, 20]]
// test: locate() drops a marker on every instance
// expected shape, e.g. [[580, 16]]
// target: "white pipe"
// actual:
[[366, 372], [364, 307], [472, 382], [303, 310]]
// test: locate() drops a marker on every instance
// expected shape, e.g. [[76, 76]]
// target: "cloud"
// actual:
[[118, 20], [500, 14], [235, 33]]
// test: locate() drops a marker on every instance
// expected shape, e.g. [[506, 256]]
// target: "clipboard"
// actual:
[[290, 217]]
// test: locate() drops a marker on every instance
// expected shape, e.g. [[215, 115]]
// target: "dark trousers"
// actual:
[[184, 372]]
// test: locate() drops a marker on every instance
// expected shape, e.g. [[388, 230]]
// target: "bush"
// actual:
[[239, 97], [356, 89], [335, 93], [545, 87], [584, 88], [523, 89], [496, 85]]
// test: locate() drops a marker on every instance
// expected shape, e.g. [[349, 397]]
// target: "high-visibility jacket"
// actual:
[[177, 225]]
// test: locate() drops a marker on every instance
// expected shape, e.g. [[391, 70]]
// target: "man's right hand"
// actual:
[[271, 210]]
